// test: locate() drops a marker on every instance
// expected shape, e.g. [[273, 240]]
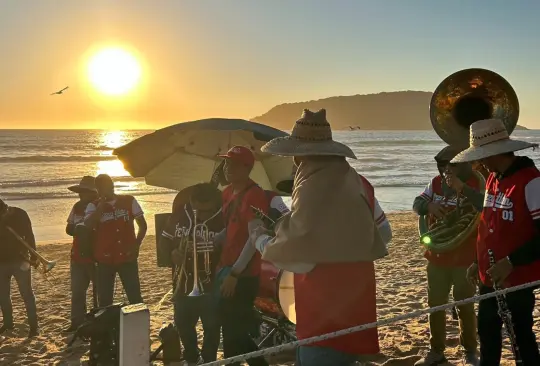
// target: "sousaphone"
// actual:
[[462, 98]]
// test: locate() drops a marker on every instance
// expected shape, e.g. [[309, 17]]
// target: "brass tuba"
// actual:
[[461, 99]]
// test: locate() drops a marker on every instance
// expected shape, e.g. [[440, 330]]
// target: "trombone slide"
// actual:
[[47, 265]]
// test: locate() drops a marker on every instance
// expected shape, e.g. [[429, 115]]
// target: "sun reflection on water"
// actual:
[[113, 168], [111, 140]]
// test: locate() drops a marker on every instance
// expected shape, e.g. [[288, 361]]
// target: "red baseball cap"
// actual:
[[241, 154]]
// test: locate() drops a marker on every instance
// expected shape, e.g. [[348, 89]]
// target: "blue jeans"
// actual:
[[81, 275], [24, 282], [106, 279], [187, 311], [323, 356]]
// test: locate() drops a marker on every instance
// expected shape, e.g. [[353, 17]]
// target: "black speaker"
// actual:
[[163, 252]]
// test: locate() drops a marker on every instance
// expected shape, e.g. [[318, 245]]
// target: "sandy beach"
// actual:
[[401, 283]]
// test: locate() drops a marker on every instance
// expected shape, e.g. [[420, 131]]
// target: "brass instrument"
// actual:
[[45, 264], [461, 99], [204, 247]]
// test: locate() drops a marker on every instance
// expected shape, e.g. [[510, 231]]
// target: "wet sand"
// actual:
[[401, 288]]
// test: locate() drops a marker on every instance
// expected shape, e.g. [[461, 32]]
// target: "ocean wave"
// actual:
[[21, 196], [55, 158], [395, 142], [65, 146], [58, 182]]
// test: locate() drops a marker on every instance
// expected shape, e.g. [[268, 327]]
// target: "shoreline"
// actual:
[[64, 239]]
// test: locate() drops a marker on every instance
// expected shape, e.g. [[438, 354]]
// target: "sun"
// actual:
[[114, 71]]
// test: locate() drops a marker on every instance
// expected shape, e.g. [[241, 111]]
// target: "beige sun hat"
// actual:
[[489, 137], [311, 135]]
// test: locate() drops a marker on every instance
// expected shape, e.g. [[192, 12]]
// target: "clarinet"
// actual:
[[268, 222], [506, 315]]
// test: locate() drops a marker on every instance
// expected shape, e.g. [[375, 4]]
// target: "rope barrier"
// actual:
[[288, 346]]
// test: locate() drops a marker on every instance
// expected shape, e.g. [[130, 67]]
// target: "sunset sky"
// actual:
[[239, 58]]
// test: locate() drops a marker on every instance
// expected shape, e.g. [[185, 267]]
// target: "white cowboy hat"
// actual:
[[489, 137], [86, 185], [311, 135]]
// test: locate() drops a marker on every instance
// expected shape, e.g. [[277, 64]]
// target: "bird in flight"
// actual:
[[60, 91]]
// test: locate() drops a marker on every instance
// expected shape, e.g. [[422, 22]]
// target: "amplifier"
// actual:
[[163, 254]]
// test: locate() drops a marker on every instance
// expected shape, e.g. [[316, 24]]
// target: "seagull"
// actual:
[[60, 91]]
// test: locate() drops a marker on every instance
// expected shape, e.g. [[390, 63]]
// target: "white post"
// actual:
[[134, 335]]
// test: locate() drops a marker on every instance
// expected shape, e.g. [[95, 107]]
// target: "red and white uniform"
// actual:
[[116, 242], [465, 254], [507, 222]]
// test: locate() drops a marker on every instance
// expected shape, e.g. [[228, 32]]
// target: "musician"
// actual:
[[239, 266], [447, 271], [14, 262], [116, 246], [329, 238], [510, 227], [206, 199], [81, 269]]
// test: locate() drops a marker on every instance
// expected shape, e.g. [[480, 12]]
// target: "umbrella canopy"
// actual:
[[184, 154]]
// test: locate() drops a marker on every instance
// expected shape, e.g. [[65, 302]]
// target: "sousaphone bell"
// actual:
[[461, 99]]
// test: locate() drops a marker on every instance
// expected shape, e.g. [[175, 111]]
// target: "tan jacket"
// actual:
[[330, 219]]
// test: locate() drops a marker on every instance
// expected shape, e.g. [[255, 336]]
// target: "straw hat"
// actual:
[[311, 135], [489, 137], [86, 184]]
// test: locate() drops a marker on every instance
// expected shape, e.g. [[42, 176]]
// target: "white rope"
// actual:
[[414, 314]]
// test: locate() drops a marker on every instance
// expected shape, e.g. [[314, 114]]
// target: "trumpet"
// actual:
[[204, 248], [46, 265]]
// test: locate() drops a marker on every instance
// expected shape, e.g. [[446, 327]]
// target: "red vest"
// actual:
[[336, 296], [237, 213], [506, 224], [465, 254], [116, 242], [78, 216]]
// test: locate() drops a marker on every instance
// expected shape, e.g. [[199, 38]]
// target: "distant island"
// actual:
[[403, 110]]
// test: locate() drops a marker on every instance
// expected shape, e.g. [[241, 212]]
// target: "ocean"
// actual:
[[38, 166]]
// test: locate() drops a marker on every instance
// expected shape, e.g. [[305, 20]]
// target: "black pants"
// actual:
[[521, 305], [237, 319], [129, 275], [187, 311]]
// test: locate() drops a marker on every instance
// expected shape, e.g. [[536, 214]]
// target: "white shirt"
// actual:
[[75, 219]]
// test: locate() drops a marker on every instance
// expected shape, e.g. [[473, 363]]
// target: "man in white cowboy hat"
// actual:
[[81, 267], [510, 228], [329, 237]]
